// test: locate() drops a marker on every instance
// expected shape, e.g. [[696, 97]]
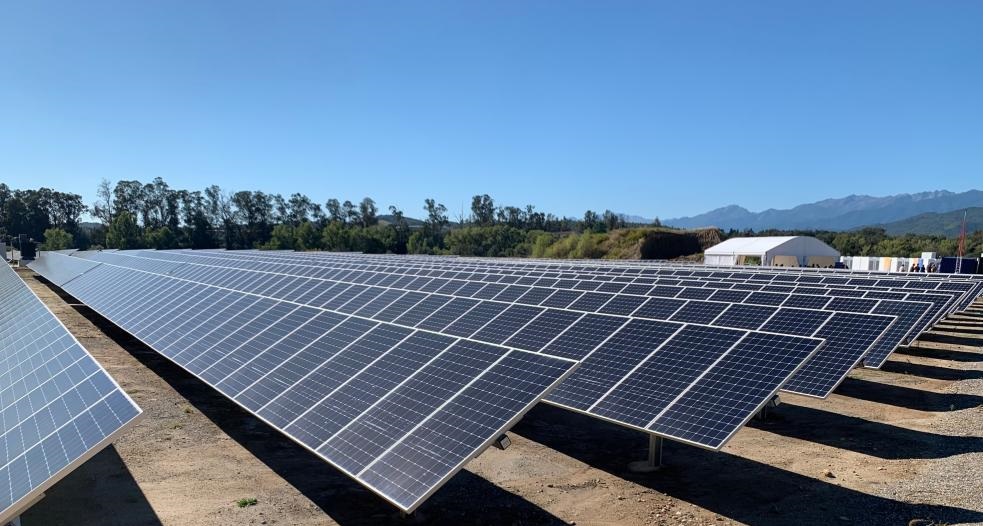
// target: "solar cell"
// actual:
[[743, 316], [702, 312]]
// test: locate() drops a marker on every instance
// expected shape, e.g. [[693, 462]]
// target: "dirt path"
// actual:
[[890, 446]]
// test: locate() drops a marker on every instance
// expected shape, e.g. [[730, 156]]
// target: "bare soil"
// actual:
[[901, 445]]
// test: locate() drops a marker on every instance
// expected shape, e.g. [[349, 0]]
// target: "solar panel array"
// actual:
[[836, 359], [398, 409], [58, 407], [497, 316], [683, 353]]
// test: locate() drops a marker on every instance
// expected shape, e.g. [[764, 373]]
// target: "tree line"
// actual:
[[131, 214]]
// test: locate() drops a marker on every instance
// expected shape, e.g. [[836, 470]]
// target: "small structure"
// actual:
[[786, 251]]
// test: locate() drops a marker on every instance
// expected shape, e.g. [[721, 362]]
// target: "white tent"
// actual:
[[788, 251]]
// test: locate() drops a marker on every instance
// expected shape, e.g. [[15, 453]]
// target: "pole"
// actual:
[[655, 451]]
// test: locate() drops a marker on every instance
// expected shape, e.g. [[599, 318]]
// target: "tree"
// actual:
[[160, 238], [483, 210], [590, 221], [219, 210], [350, 213], [307, 237], [128, 196], [298, 207], [334, 209], [613, 220], [336, 237], [282, 238], [123, 232], [402, 231], [103, 207], [56, 239], [367, 212], [200, 232]]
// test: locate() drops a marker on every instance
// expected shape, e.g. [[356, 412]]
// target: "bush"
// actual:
[[56, 239]]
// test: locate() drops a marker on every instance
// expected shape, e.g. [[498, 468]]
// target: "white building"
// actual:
[[788, 251]]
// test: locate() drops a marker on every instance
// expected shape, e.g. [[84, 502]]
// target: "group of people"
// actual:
[[919, 267]]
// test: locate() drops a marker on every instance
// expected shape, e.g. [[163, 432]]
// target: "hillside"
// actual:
[[845, 213], [931, 223], [627, 243]]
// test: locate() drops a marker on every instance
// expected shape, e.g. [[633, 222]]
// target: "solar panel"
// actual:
[[58, 406], [749, 373], [908, 313], [848, 336], [324, 376]]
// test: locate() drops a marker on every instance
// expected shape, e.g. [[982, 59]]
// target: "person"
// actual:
[[914, 267], [920, 266]]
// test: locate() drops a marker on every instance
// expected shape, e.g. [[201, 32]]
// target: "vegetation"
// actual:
[[56, 239], [947, 223], [132, 214], [243, 503]]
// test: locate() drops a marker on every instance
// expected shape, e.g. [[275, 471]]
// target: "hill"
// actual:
[[933, 223], [844, 213]]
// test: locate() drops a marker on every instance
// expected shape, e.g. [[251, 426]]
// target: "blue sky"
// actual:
[[649, 108]]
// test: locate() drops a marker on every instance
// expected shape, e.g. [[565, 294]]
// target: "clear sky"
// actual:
[[650, 108]]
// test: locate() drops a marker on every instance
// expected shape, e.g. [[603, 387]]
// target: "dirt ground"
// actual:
[[902, 445]]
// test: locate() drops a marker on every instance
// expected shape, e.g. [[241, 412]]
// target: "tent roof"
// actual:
[[762, 245]]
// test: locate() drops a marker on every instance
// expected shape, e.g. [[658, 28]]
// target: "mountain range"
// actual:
[[844, 213]]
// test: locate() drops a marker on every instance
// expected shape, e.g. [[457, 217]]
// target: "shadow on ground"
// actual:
[[941, 354], [951, 339], [100, 491], [907, 397], [933, 372], [466, 499], [863, 436], [735, 487]]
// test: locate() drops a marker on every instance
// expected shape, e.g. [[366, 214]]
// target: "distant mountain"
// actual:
[[835, 214], [948, 223]]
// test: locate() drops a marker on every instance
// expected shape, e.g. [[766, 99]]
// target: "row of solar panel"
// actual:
[[765, 277], [553, 307], [466, 312], [58, 407], [637, 287], [659, 290], [637, 269]]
